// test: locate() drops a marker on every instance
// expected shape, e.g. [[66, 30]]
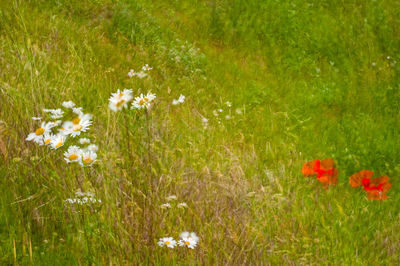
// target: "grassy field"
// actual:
[[306, 80]]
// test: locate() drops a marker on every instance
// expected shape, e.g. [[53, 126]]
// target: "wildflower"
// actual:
[[324, 170], [238, 111], [83, 198], [229, 104], [220, 110], [215, 113], [36, 118], [88, 158], [131, 73], [181, 99], [68, 104], [77, 110], [204, 121], [167, 241], [93, 147], [120, 99], [77, 125], [54, 113], [37, 136], [83, 141], [58, 141], [47, 138], [227, 117], [171, 197], [182, 205], [146, 67], [376, 188], [188, 239], [143, 101], [140, 74], [73, 154], [165, 206]]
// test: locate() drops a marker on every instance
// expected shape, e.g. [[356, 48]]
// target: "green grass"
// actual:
[[312, 79]]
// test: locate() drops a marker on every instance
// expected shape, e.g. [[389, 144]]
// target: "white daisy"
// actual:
[[146, 67], [47, 138], [180, 100], [165, 206], [77, 110], [73, 154], [79, 124], [167, 241], [120, 99], [68, 104], [131, 73], [171, 197], [93, 147], [188, 239], [84, 141], [143, 101], [66, 127], [36, 118], [182, 205], [88, 158], [204, 121], [58, 141], [37, 136], [54, 113], [140, 74]]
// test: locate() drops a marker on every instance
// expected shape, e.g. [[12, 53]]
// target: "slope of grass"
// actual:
[[306, 79]]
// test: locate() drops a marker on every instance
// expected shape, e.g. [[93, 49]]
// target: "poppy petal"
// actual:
[[327, 164], [308, 168], [356, 179]]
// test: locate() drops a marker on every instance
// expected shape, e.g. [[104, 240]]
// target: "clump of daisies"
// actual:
[[142, 73], [181, 99], [121, 99], [189, 240], [83, 199], [56, 132], [143, 101]]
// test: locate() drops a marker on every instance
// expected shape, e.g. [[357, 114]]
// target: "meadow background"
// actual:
[[306, 79]]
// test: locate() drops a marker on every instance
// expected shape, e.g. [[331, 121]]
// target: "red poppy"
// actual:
[[376, 188], [324, 171]]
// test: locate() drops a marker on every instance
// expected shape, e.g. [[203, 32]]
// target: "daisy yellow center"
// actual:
[[77, 128], [143, 101], [47, 141], [59, 144], [120, 103], [39, 131], [121, 95], [73, 157], [187, 242], [167, 242], [87, 160], [76, 120]]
